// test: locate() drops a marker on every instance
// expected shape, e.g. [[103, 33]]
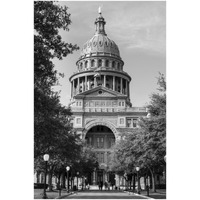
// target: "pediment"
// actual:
[[100, 92]]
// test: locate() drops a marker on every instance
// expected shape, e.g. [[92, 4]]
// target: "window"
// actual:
[[101, 143], [121, 121], [113, 64], [118, 66], [128, 122], [120, 103], [80, 103], [131, 122], [102, 158], [81, 65], [86, 64], [134, 122], [92, 63], [108, 157], [98, 143], [107, 63], [99, 63], [111, 142], [90, 140], [78, 120]]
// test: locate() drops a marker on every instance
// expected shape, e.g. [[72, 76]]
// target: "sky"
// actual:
[[139, 30]]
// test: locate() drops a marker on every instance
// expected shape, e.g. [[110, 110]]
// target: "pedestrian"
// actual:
[[106, 185], [88, 186], [101, 185]]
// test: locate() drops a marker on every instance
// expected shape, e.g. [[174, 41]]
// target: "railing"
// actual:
[[108, 109]]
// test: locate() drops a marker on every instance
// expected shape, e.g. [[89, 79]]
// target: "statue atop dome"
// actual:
[[99, 10]]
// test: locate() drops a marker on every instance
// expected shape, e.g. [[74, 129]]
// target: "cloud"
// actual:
[[139, 27], [132, 24]]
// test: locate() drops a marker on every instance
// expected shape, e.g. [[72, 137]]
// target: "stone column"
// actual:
[[110, 64], [78, 85], [126, 91], [105, 157], [104, 81], [121, 85], [72, 92], [103, 63], [113, 83], [96, 62], [95, 82], [89, 63], [86, 83], [105, 142]]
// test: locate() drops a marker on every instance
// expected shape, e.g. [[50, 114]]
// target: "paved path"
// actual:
[[92, 194]]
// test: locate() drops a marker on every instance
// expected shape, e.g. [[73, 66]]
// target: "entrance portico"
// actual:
[[101, 138]]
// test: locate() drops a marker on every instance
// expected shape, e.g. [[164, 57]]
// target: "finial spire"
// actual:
[[100, 22], [99, 9]]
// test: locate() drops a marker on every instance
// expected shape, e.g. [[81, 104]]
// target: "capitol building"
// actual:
[[100, 100]]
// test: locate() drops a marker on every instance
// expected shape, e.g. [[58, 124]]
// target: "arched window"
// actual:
[[92, 63], [118, 66], [81, 66], [107, 63], [99, 63], [113, 64], [86, 64]]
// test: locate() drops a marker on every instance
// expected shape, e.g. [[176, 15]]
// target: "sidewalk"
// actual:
[[38, 193], [159, 194]]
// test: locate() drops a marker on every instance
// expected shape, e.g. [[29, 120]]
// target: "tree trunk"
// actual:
[[58, 182], [145, 182], [139, 185], [153, 180], [63, 180], [133, 182]]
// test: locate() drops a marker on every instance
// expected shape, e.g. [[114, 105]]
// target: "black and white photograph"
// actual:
[[100, 100]]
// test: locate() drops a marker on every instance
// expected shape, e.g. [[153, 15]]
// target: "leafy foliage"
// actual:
[[53, 133], [146, 146]]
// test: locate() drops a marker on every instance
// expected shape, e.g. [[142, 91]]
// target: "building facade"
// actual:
[[100, 100]]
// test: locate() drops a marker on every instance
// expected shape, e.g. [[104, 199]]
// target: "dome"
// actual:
[[100, 43]]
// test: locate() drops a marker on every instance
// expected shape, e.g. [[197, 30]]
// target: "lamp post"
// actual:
[[46, 158], [82, 182], [67, 168], [77, 180], [138, 189], [165, 158]]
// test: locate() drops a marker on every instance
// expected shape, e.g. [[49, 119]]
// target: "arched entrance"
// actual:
[[101, 138]]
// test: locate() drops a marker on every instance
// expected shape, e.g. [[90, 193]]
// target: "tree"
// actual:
[[52, 131], [146, 146]]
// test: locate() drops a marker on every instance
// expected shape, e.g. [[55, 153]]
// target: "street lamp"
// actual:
[[46, 158], [138, 189], [68, 168], [77, 180], [165, 158]]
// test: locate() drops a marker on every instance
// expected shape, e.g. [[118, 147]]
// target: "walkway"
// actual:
[[96, 194]]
